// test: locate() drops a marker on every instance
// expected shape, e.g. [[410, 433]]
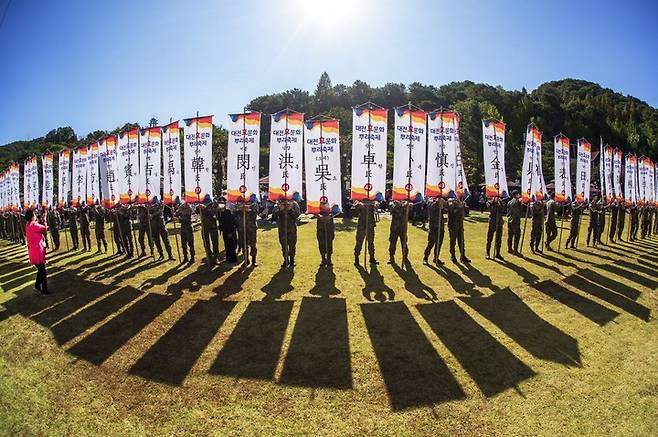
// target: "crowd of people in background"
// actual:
[[140, 230]]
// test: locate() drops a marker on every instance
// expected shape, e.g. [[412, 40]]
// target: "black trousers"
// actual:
[[41, 283]]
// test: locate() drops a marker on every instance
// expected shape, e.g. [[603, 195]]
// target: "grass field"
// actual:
[[560, 343]]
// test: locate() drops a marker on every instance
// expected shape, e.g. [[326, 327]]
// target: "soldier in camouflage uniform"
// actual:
[[99, 220], [496, 214], [125, 227], [159, 229], [614, 216], [551, 222], [209, 230], [325, 233], [621, 220], [71, 218], [537, 211], [514, 211], [576, 213], [601, 228], [116, 229], [285, 213], [400, 211], [84, 227], [247, 212], [143, 229], [365, 212], [184, 216], [456, 229], [53, 226], [634, 212], [436, 212], [595, 210]]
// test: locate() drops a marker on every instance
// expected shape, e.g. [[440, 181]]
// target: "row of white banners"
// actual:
[[139, 164]]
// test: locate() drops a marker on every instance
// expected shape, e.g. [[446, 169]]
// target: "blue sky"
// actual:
[[97, 64]]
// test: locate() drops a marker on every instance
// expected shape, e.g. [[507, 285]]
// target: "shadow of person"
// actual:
[[558, 259], [325, 283], [162, 279], [374, 286], [412, 282], [535, 261], [480, 280], [528, 277], [234, 282], [279, 285], [456, 281], [195, 280]]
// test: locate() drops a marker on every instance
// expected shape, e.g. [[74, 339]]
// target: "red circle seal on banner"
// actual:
[[197, 190], [148, 192], [368, 187], [324, 199], [130, 192], [442, 185], [409, 187], [243, 189], [285, 187]]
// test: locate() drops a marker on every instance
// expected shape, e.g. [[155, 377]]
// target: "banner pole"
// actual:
[[559, 242], [112, 238], [173, 220], [532, 171]]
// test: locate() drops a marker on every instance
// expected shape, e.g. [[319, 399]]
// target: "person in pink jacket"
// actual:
[[35, 235]]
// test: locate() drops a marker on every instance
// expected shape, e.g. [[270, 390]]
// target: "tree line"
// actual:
[[576, 108]]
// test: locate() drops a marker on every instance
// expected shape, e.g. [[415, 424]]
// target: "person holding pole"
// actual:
[[594, 215], [209, 232], [228, 228], [247, 214], [143, 227], [496, 214], [514, 211], [576, 213], [614, 218], [159, 229], [184, 216], [84, 227], [325, 233], [551, 221], [125, 225], [436, 211], [621, 220], [53, 227], [456, 229], [399, 209], [365, 229], [537, 231], [99, 230], [285, 213]]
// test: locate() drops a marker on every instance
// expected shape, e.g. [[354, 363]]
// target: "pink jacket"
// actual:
[[35, 235]]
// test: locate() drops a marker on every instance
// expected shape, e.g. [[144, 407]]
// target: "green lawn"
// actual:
[[560, 343]]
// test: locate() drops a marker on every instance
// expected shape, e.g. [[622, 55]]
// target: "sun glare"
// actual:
[[336, 16]]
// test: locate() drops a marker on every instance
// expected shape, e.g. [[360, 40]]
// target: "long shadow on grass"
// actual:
[[279, 284], [543, 340], [627, 274], [252, 350], [491, 365], [69, 328], [319, 353], [647, 270], [172, 357], [414, 374], [412, 282], [374, 286], [579, 282], [483, 281], [325, 283], [108, 338], [528, 277], [234, 282], [616, 286], [594, 311]]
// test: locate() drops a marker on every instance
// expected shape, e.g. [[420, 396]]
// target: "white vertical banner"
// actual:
[[171, 167], [643, 171], [47, 178], [583, 171], [243, 156], [409, 151], [63, 178], [93, 187], [369, 133], [322, 158], [543, 191], [30, 183], [616, 174], [532, 185], [563, 191], [441, 179], [607, 173], [493, 141], [150, 163], [128, 165], [79, 180], [286, 145], [3, 205], [197, 143], [602, 171], [107, 159], [629, 180], [462, 183], [26, 183], [15, 189]]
